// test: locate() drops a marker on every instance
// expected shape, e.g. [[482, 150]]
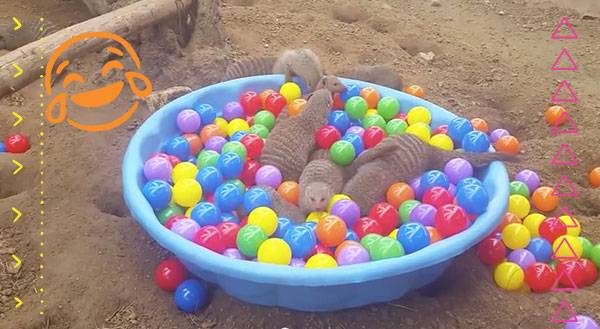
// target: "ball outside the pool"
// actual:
[[583, 322], [566, 246], [190, 296], [556, 115], [458, 128], [594, 177], [522, 257], [17, 143], [274, 251], [415, 90], [551, 228], [509, 276], [540, 277], [520, 188], [480, 124], [530, 178], [491, 251], [541, 249], [516, 236], [388, 107], [475, 141], [290, 91], [356, 107], [508, 144], [342, 152], [169, 274], [496, 134], [2, 147], [543, 198]]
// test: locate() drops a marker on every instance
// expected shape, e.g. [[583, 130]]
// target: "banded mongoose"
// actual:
[[159, 98], [320, 180], [31, 30], [398, 159], [282, 207], [382, 75], [292, 141]]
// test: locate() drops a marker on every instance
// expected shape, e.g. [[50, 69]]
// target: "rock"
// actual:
[[436, 3], [348, 13], [588, 16], [501, 13], [428, 56]]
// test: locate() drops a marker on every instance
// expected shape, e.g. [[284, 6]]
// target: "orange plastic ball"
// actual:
[[195, 143], [371, 96], [331, 230], [415, 91], [289, 191], [543, 199], [209, 131], [594, 177], [508, 144], [398, 193], [296, 106], [263, 96], [555, 115], [508, 218], [434, 235], [480, 124]]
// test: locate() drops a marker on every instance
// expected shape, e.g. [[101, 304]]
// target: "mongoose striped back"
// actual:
[[32, 30], [249, 66], [380, 74]]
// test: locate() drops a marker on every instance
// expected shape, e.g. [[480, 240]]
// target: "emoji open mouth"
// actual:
[[100, 96]]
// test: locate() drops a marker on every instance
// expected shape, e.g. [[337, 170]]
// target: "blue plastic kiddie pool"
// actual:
[[290, 287]]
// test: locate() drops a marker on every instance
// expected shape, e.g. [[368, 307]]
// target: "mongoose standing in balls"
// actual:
[[320, 180]]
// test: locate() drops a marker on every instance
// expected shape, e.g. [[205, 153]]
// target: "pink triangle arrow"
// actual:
[[556, 96], [564, 21], [562, 179], [555, 160], [573, 130], [564, 304]]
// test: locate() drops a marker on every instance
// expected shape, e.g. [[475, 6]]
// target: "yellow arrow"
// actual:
[[19, 302], [17, 260], [19, 167], [20, 71], [18, 26], [16, 211], [19, 119]]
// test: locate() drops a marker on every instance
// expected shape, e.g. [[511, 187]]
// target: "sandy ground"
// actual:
[[492, 60]]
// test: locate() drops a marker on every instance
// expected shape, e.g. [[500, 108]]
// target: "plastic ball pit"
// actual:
[[286, 286]]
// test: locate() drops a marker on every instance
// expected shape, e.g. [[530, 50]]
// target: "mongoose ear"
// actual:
[[308, 96], [321, 83]]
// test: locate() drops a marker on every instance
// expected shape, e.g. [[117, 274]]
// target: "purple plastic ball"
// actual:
[[530, 178], [215, 143], [522, 257], [268, 175], [297, 262], [583, 322], [457, 169], [188, 121], [452, 189], [186, 228], [158, 168], [497, 133], [424, 214], [232, 110], [415, 184], [347, 210], [233, 253], [353, 253], [358, 130]]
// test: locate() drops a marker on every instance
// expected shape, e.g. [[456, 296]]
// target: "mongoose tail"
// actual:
[[249, 67], [284, 208], [440, 158]]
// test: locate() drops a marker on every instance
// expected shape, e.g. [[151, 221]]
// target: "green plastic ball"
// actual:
[[342, 152], [388, 107], [235, 147], [587, 246], [238, 183], [386, 247], [207, 158], [265, 118], [373, 120], [259, 130], [552, 264], [405, 208], [249, 238], [395, 127], [368, 240], [520, 188], [168, 212], [356, 107], [595, 255]]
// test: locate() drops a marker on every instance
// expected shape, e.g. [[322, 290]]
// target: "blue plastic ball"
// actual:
[[191, 159], [356, 141], [351, 235], [458, 128], [209, 178], [434, 178], [355, 122], [228, 197], [541, 249], [468, 181], [237, 136], [283, 225], [207, 113], [475, 141], [256, 197], [2, 147], [229, 217], [311, 225], [301, 240], [178, 147], [158, 193], [413, 236], [230, 164], [473, 198], [351, 91], [340, 120], [206, 213], [190, 296]]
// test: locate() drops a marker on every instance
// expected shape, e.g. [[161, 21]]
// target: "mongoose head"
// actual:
[[315, 196], [331, 83], [319, 98]]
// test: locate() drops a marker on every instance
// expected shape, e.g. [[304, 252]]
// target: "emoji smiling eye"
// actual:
[[72, 77], [114, 64]]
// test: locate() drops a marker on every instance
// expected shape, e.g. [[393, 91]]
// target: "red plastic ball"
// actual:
[[508, 218], [173, 219], [254, 145], [401, 116], [174, 160], [366, 225], [551, 228], [210, 198], [372, 136], [571, 268], [451, 219], [386, 215], [169, 274], [443, 129], [320, 249], [491, 251], [326, 136], [338, 103], [250, 120], [275, 103], [210, 237], [251, 103], [437, 196], [590, 272], [249, 172], [540, 277], [229, 231], [244, 221], [17, 143]]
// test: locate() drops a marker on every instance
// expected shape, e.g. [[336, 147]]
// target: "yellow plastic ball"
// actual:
[[560, 247], [394, 234], [321, 261], [187, 192], [421, 130], [371, 112], [509, 276], [442, 141], [264, 218], [516, 236], [315, 216], [418, 114], [290, 91], [188, 212], [519, 205], [184, 170], [274, 251], [236, 125], [573, 226], [335, 198], [532, 222]]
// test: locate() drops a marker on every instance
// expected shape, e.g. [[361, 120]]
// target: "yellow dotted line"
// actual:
[[42, 201]]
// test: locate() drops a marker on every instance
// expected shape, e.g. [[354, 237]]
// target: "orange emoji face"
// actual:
[[56, 111]]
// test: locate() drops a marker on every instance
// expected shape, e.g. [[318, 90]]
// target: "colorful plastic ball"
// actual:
[[385, 248], [2, 147], [424, 214], [283, 225], [519, 205], [331, 230], [207, 113], [434, 235], [508, 144], [158, 193], [475, 141], [229, 232], [522, 257], [253, 145], [178, 147], [406, 208], [263, 95], [594, 177], [312, 225], [268, 175], [274, 103], [567, 247], [237, 125], [555, 115], [171, 220], [437, 196], [233, 253], [207, 158], [371, 95], [418, 114], [540, 277], [543, 198], [195, 143], [572, 224], [458, 128], [190, 296], [188, 121], [212, 138], [209, 178], [356, 141], [356, 130], [369, 240], [509, 276], [158, 168], [249, 239], [587, 246], [516, 236], [347, 210], [297, 262], [530, 178], [352, 253], [301, 240], [442, 141], [265, 118], [171, 210], [228, 197], [326, 136], [296, 106], [235, 147], [440, 130], [583, 322], [434, 178], [458, 169], [214, 143], [184, 170], [394, 234], [211, 238], [395, 127], [571, 274], [491, 251], [351, 91], [397, 193], [365, 226], [206, 213], [17, 143], [496, 134], [256, 197], [413, 237], [342, 152], [450, 219], [590, 272], [480, 124], [541, 249], [249, 172], [185, 228], [251, 102], [508, 218], [374, 120], [315, 216], [372, 136], [421, 130], [274, 251], [221, 129], [290, 91], [260, 130], [319, 260], [388, 107], [473, 198], [356, 107], [264, 218], [187, 192], [340, 120], [415, 90], [169, 274], [230, 165], [519, 188], [289, 191], [386, 215], [551, 228]]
